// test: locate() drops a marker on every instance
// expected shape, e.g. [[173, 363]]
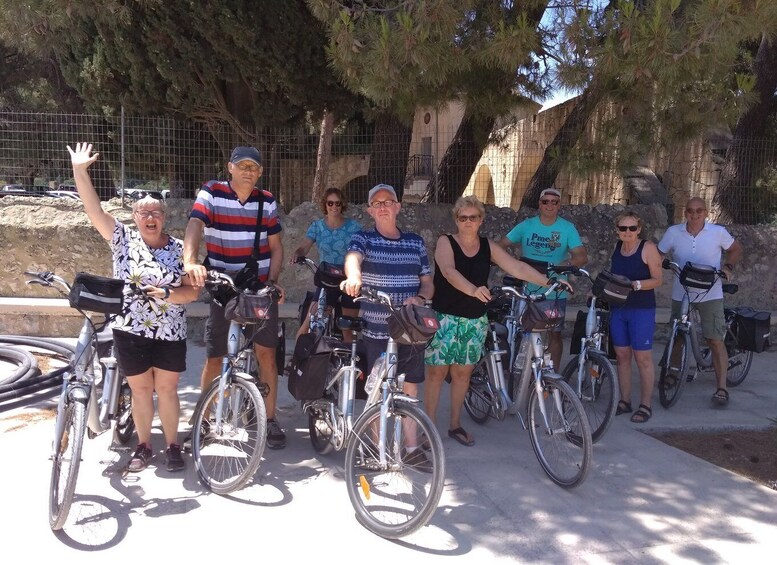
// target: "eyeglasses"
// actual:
[[462, 218], [331, 203], [150, 214], [548, 202], [247, 167], [386, 203], [627, 228], [694, 210]]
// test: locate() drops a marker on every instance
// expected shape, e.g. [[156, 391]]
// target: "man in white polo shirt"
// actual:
[[701, 242]]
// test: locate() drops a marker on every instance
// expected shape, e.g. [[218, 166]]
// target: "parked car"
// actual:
[[64, 194], [21, 190], [14, 188]]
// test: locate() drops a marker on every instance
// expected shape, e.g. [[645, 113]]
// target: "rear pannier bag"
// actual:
[[613, 288], [309, 366], [698, 276], [97, 294], [752, 329]]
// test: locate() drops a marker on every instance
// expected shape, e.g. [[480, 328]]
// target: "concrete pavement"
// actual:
[[643, 502]]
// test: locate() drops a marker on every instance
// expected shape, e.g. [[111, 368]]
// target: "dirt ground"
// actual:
[[750, 453]]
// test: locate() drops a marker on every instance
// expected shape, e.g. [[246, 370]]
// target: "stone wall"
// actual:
[[55, 234]]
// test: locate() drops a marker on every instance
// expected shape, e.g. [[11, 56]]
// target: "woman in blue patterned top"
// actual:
[[150, 332], [331, 234]]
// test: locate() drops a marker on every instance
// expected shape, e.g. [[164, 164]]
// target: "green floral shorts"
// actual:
[[459, 341]]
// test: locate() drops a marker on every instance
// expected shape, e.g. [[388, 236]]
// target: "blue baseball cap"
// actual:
[[246, 154]]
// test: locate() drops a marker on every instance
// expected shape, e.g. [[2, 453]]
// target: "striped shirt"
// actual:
[[230, 226], [393, 266]]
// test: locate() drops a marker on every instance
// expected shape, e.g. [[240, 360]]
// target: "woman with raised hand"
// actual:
[[150, 332]]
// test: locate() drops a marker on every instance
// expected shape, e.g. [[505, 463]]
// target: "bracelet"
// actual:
[[167, 292], [637, 285], [729, 266]]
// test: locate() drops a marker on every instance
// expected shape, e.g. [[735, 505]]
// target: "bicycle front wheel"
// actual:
[[563, 446], [478, 399], [395, 496], [739, 361], [227, 458], [598, 391], [125, 423], [671, 379], [65, 463]]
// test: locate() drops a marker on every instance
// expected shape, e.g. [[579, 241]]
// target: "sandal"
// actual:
[[642, 414], [460, 435], [720, 397], [623, 408]]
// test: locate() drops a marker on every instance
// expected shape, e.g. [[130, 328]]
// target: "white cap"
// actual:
[[552, 191], [377, 188]]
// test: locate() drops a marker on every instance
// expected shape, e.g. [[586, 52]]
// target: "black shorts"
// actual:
[[411, 358], [137, 354], [217, 328]]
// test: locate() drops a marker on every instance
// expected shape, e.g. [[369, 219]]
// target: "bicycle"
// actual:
[[325, 276], [684, 337], [394, 464], [590, 373], [229, 424], [546, 405], [94, 395]]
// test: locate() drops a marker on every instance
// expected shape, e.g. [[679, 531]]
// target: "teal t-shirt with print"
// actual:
[[332, 243], [545, 243]]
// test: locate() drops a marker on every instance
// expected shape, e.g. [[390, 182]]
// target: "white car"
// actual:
[[63, 194]]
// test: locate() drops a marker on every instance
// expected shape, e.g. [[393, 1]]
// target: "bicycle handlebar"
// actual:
[[539, 297], [376, 296], [570, 269], [309, 263], [47, 278], [676, 269], [217, 278]]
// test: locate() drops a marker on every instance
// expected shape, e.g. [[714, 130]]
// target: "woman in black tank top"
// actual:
[[462, 263]]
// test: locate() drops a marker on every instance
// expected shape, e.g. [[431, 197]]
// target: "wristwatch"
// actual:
[[637, 285], [167, 292], [729, 266]]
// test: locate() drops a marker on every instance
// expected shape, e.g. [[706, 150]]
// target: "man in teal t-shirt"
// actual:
[[547, 238]]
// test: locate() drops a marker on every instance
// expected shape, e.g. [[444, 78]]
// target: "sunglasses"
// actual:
[[462, 218], [331, 203], [627, 228], [548, 202], [248, 167], [380, 203], [150, 214], [694, 210]]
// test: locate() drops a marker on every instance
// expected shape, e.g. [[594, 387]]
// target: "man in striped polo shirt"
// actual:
[[226, 212]]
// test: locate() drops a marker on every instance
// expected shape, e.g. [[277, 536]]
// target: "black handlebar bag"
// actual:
[[613, 288], [97, 294]]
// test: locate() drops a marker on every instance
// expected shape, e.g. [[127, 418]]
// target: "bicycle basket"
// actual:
[[248, 308], [97, 294], [329, 275], [613, 288], [413, 325], [536, 319], [698, 276]]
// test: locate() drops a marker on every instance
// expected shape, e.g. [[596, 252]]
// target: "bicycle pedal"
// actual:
[[120, 448]]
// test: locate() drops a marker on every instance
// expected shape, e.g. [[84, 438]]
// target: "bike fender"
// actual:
[[401, 397]]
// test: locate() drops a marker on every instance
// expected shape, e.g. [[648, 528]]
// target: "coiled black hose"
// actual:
[[27, 378]]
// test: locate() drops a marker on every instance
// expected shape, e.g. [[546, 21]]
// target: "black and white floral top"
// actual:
[[137, 263]]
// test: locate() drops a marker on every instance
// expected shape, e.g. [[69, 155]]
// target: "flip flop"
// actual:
[[460, 435]]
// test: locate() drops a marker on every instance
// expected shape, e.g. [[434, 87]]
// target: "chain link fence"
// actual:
[[428, 161]]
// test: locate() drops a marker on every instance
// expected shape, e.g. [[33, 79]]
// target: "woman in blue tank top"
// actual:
[[632, 324]]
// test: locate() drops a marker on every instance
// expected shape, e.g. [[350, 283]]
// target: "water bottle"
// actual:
[[375, 375]]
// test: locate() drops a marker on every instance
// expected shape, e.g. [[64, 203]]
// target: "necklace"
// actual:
[[629, 252]]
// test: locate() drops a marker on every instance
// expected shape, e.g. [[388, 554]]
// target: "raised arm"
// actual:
[[82, 159], [191, 247], [516, 268]]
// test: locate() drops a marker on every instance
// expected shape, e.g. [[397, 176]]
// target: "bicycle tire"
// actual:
[[565, 452], [125, 423], [65, 463], [671, 380], [320, 432], [599, 394], [225, 462], [478, 400], [739, 361], [397, 499]]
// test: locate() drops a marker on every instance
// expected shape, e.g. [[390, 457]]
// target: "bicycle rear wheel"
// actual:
[[227, 460], [65, 463], [479, 400], [739, 360], [671, 379], [320, 429], [125, 423], [564, 447], [395, 498], [598, 391]]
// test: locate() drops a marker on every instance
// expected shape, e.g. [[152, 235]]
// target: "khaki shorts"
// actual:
[[713, 320]]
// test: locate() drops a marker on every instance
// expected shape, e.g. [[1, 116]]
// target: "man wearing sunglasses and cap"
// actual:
[[228, 213], [549, 239]]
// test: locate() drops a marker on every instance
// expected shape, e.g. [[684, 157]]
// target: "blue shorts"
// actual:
[[633, 327]]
